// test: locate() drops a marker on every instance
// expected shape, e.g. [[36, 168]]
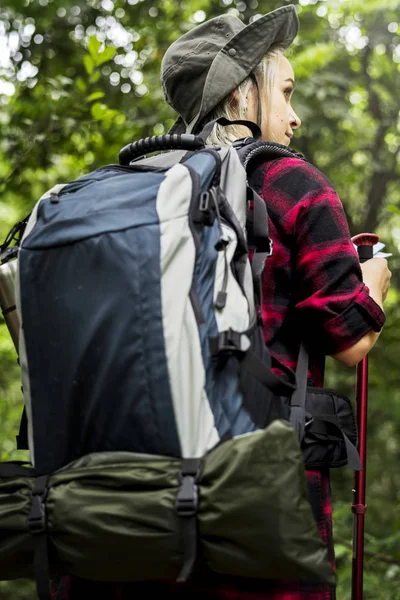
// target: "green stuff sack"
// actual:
[[16, 543], [113, 517], [255, 519]]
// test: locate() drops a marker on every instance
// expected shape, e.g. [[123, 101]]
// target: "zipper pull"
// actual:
[[221, 300]]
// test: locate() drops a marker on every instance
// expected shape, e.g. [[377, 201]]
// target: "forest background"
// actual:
[[79, 80]]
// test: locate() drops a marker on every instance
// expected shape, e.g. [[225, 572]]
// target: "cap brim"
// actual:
[[277, 28]]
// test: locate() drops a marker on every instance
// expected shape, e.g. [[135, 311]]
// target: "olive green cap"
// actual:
[[202, 66]]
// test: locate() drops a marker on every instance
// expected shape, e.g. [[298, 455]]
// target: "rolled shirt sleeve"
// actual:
[[331, 304]]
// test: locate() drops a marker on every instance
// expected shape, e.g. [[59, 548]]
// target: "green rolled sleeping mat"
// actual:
[[112, 516]]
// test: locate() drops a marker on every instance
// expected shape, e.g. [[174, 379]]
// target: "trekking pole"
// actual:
[[364, 243]]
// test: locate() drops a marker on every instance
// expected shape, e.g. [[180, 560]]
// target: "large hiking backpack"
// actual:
[[147, 383]]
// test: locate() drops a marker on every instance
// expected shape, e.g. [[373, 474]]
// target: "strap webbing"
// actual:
[[16, 469], [298, 400], [328, 426], [37, 527], [189, 534], [186, 506], [41, 568], [257, 223], [260, 216], [263, 373], [321, 424], [238, 344], [22, 437], [257, 268]]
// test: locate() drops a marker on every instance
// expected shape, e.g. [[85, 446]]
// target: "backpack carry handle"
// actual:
[[185, 141], [175, 141]]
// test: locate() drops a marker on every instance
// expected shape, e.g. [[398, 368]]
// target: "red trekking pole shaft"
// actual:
[[364, 243]]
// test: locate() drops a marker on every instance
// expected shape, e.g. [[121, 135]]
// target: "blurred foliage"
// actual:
[[79, 80]]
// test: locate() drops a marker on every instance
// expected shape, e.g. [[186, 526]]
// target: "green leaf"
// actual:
[[107, 54], [81, 84], [99, 111], [393, 209], [95, 76], [94, 45], [95, 96], [65, 80], [120, 119], [89, 64], [110, 115]]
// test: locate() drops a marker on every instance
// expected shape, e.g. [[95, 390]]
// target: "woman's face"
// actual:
[[278, 117]]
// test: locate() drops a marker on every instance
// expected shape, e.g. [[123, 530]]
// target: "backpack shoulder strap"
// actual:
[[252, 152]]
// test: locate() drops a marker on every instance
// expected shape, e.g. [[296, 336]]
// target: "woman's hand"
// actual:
[[376, 275]]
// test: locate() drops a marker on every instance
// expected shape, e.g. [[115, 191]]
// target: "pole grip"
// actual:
[[365, 253], [365, 243]]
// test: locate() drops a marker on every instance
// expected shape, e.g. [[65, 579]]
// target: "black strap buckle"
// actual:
[[207, 208], [205, 212], [187, 500], [37, 514], [229, 342]]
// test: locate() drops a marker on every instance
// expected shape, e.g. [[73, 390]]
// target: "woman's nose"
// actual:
[[295, 121]]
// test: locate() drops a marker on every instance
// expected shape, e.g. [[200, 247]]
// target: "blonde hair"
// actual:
[[265, 72]]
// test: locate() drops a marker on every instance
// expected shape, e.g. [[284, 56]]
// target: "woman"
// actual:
[[313, 288]]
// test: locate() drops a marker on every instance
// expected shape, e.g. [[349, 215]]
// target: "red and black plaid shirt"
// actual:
[[312, 291], [312, 284]]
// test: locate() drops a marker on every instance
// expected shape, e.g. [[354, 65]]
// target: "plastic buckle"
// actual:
[[187, 499], [229, 342], [37, 515], [207, 209], [204, 201]]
